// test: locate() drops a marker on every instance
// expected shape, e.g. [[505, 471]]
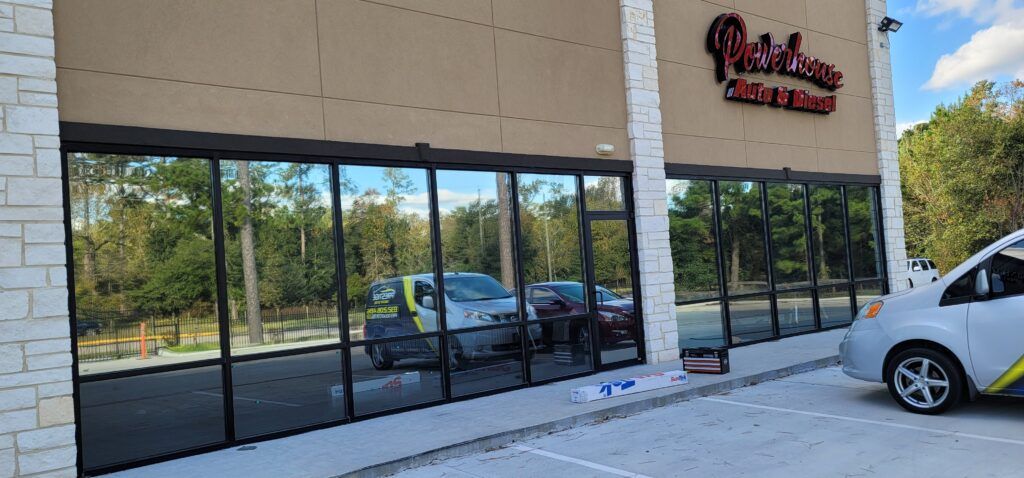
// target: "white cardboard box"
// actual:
[[642, 383]]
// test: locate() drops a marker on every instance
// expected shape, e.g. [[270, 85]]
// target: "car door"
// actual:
[[546, 302], [995, 325]]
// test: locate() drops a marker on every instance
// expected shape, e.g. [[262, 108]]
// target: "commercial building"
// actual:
[[223, 221]]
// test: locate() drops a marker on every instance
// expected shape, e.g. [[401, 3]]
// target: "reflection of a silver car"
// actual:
[[407, 305]]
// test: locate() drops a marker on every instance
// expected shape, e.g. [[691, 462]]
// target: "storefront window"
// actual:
[[828, 234], [279, 249], [395, 374], [477, 248], [862, 208], [743, 244], [388, 251], [796, 312], [281, 393], [133, 418], [604, 193], [488, 359], [145, 272], [750, 319], [563, 347], [789, 235], [692, 234], [700, 325], [550, 224], [834, 305]]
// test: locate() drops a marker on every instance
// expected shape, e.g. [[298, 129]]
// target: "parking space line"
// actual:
[[870, 422], [577, 461]]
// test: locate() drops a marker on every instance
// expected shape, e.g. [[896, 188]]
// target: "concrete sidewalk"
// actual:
[[389, 444]]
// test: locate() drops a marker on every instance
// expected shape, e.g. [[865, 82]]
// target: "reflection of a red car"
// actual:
[[616, 318]]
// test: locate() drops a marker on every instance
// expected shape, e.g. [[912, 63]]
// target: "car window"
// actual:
[[960, 290], [542, 296], [932, 265], [924, 265], [915, 266], [1008, 271], [472, 288], [421, 290]]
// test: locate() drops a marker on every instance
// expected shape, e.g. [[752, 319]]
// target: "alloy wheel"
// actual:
[[921, 382]]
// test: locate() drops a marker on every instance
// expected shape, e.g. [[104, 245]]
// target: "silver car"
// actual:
[[407, 305], [957, 337]]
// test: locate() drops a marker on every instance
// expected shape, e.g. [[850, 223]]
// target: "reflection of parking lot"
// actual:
[[700, 325]]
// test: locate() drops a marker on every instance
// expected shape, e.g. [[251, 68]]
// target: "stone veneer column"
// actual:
[[647, 152], [880, 70], [37, 429]]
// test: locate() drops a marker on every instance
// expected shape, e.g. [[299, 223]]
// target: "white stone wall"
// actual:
[[885, 142], [37, 430], [647, 151]]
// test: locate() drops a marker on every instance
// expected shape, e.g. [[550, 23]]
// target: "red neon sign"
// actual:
[[727, 43]]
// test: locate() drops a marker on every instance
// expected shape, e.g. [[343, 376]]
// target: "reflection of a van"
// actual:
[[407, 305]]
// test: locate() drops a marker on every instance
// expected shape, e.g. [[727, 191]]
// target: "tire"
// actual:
[[911, 282], [903, 373], [935, 279], [380, 357]]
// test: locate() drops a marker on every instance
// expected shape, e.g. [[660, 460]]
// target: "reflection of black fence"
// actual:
[[108, 335]]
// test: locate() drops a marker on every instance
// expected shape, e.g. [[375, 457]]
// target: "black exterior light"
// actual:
[[890, 24]]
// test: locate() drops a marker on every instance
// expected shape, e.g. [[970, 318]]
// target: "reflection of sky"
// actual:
[[455, 188]]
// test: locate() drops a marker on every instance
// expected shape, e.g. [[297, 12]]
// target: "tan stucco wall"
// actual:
[[523, 76], [701, 127]]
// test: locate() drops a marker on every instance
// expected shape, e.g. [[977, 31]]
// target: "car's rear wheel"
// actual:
[[924, 381], [380, 357], [911, 282]]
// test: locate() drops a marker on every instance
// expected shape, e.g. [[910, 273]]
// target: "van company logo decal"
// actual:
[[384, 293], [727, 42]]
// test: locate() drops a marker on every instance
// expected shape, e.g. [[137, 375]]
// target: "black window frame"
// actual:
[[125, 140], [763, 178]]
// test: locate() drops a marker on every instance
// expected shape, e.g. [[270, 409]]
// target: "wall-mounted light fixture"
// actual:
[[890, 24], [605, 149]]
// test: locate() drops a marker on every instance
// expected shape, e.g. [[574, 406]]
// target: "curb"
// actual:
[[504, 438]]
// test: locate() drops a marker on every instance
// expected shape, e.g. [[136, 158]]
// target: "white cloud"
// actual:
[[991, 52], [903, 127]]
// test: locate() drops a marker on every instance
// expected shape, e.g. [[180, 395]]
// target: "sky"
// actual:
[[945, 46]]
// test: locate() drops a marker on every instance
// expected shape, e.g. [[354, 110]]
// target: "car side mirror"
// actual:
[[916, 268], [427, 302], [558, 302], [981, 287]]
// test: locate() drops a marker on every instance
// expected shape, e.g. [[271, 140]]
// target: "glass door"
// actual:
[[612, 290]]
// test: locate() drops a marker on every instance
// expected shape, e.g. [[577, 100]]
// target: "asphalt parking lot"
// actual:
[[820, 423]]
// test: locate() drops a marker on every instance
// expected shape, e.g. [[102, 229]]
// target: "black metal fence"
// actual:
[[111, 334]]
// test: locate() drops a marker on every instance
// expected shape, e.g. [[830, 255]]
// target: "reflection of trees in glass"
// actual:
[[604, 193], [863, 213], [549, 218], [743, 236], [382, 240], [691, 232], [476, 234], [789, 234], [142, 234], [828, 233], [279, 241], [612, 267]]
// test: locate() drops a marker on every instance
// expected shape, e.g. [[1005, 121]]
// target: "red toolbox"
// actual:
[[705, 360]]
